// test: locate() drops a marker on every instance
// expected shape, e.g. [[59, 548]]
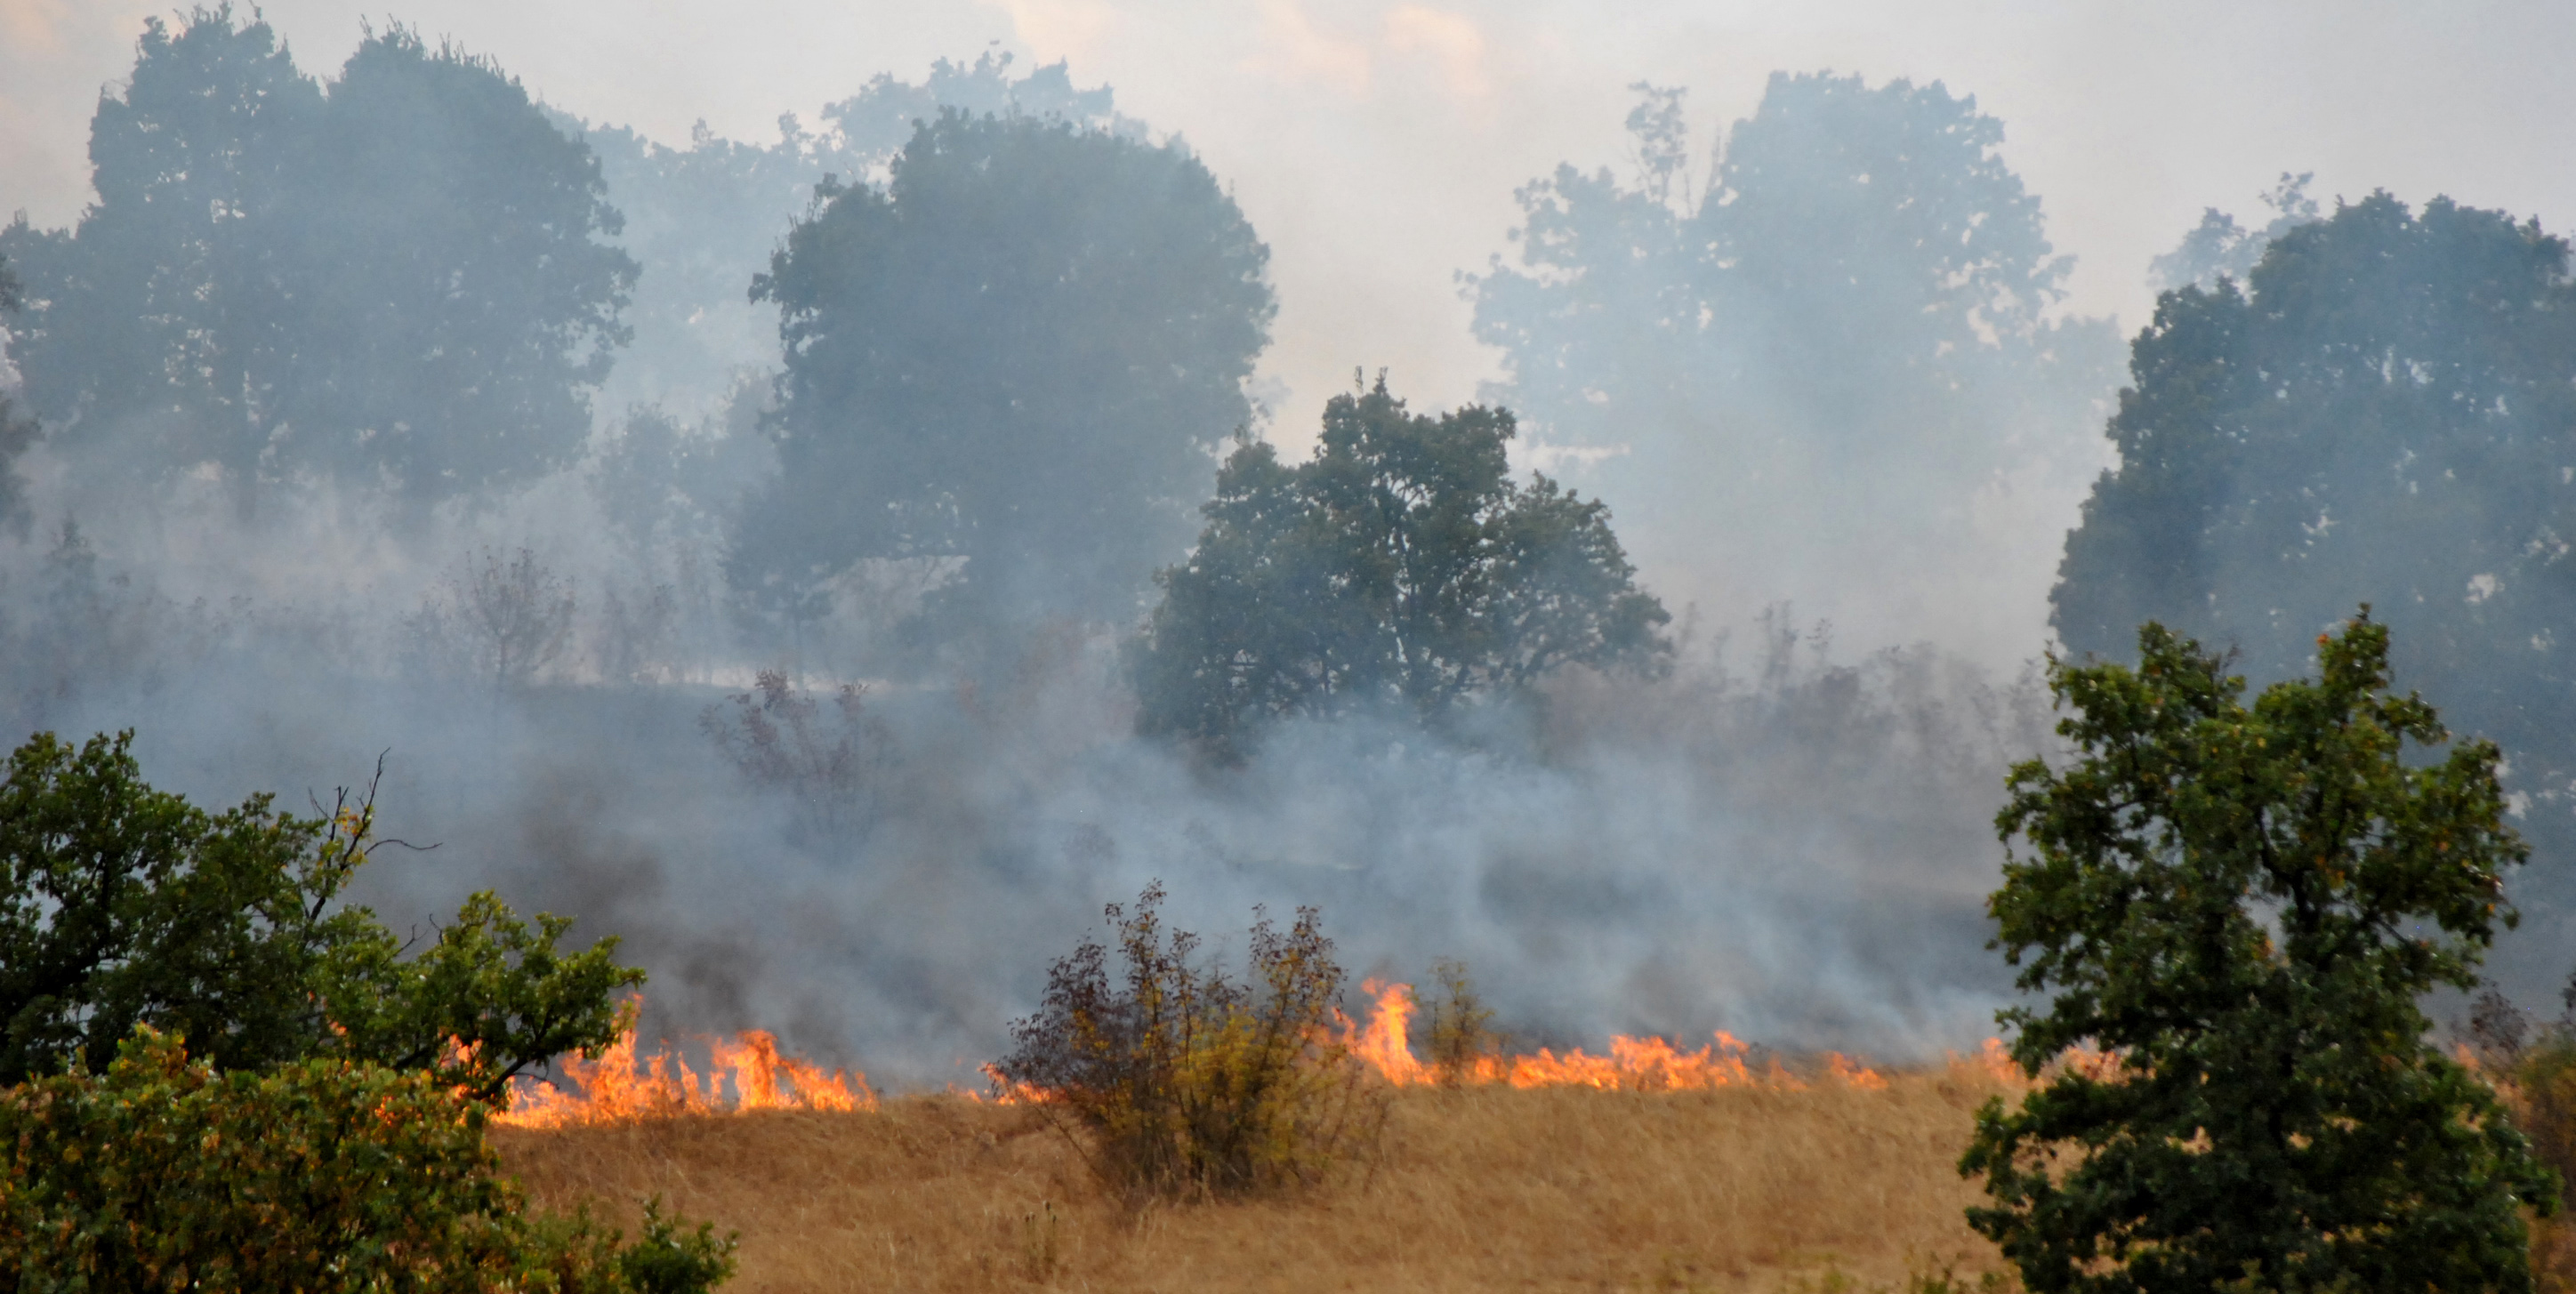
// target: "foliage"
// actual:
[[2218, 247], [392, 280], [1401, 563], [707, 215], [2379, 413], [320, 1175], [16, 432], [2240, 907], [1859, 294], [1186, 1081], [1017, 351], [123, 905]]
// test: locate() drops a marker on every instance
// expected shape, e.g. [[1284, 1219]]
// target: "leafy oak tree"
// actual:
[[2240, 908], [1019, 351], [1401, 565], [123, 906]]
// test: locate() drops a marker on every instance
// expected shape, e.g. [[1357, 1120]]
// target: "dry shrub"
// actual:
[[1460, 1027], [1480, 1189], [1174, 1080]]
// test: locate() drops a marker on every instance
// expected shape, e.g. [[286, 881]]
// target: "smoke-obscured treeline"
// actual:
[[750, 548]]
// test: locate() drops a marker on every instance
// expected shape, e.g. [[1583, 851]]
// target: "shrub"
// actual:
[[1180, 1081], [1460, 1026], [321, 1175]]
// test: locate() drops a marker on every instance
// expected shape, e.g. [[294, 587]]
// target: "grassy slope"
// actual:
[[1481, 1189]]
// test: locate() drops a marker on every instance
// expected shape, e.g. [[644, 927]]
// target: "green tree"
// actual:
[[2381, 413], [321, 1176], [395, 279], [121, 905], [1018, 351], [1401, 565], [2240, 907]]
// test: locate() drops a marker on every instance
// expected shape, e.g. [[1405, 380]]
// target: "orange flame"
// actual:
[[1634, 1064], [617, 1089]]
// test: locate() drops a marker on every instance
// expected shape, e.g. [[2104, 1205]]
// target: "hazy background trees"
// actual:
[[707, 215], [1829, 371], [397, 280], [1823, 362], [1020, 352]]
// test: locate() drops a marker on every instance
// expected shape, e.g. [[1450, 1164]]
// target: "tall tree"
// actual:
[[159, 328], [396, 281], [2240, 908], [1401, 565], [1859, 295], [1019, 351], [2382, 413]]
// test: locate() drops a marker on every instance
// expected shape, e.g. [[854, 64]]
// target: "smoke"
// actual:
[[1776, 840], [1767, 842]]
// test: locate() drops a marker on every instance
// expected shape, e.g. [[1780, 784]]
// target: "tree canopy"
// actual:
[[707, 215], [1019, 351], [1857, 295], [2239, 908], [1402, 564], [16, 432], [2381, 412], [396, 279]]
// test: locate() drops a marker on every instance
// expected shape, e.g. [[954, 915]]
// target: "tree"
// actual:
[[518, 615], [1860, 295], [1018, 351], [2382, 413], [121, 905], [16, 433], [2219, 248], [707, 216], [1401, 564], [395, 280], [2240, 907]]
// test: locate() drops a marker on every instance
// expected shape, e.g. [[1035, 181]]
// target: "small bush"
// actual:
[[1175, 1080], [320, 1176], [1462, 1039]]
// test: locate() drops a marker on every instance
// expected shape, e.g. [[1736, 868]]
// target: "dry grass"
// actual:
[[1475, 1189]]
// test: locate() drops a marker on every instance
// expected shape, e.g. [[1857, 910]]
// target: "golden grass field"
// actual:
[[1829, 1188]]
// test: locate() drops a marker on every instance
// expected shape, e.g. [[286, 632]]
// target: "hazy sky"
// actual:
[[1376, 145]]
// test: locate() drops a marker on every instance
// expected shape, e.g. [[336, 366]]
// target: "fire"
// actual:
[[616, 1088], [1634, 1064]]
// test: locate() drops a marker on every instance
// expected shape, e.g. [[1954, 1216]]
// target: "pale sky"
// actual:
[[1376, 145]]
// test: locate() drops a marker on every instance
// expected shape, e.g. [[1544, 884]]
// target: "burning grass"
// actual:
[[1811, 1181]]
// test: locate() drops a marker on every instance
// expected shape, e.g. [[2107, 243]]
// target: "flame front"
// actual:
[[1634, 1064], [616, 1088]]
